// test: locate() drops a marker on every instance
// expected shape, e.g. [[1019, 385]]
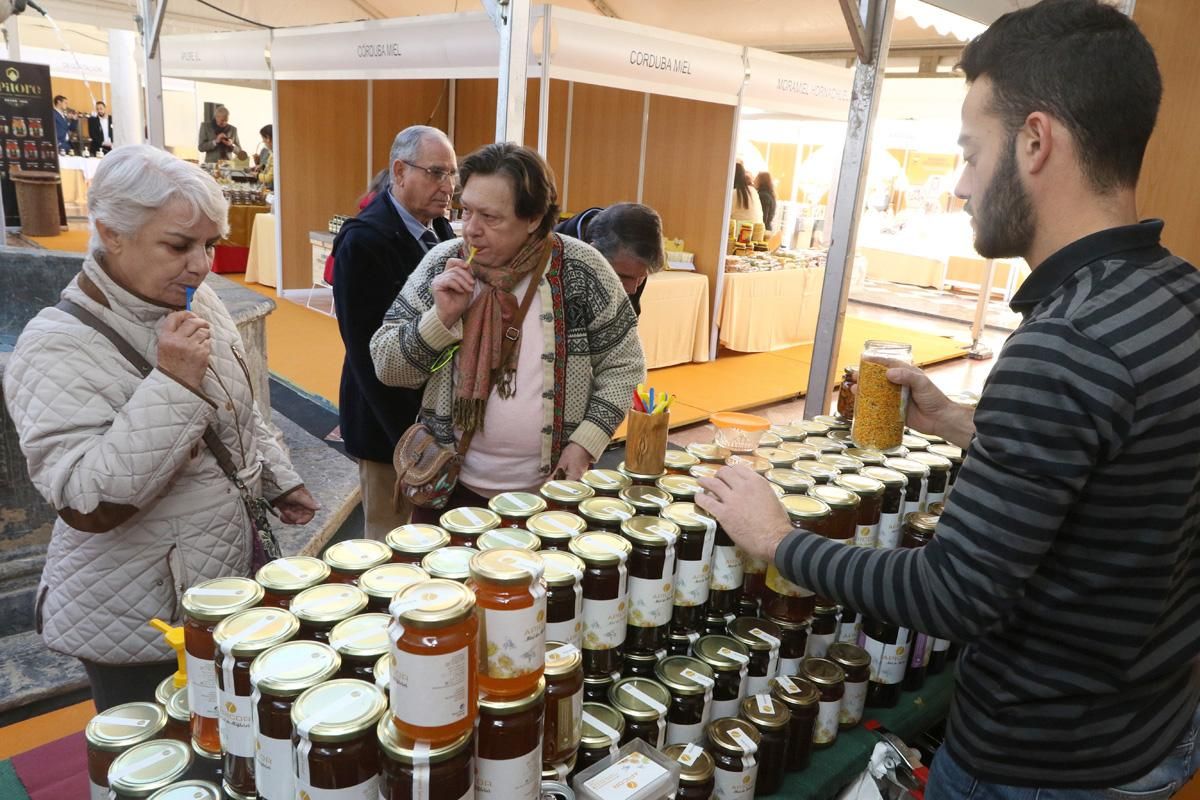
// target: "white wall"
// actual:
[[249, 110]]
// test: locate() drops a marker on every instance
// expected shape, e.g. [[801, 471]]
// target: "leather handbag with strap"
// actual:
[[426, 470], [266, 546]]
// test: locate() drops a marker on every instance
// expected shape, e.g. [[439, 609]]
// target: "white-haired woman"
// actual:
[[145, 508]]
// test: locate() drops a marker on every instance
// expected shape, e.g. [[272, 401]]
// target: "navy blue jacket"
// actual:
[[373, 256]]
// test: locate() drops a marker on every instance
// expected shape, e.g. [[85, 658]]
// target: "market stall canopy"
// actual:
[[789, 84], [212, 56]]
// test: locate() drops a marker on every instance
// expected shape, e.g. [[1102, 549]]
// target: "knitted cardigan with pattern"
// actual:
[[592, 358]]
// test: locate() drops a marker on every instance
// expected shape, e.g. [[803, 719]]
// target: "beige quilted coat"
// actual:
[[144, 509]]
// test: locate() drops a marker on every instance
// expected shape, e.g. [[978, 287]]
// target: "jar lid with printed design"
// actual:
[[338, 710]]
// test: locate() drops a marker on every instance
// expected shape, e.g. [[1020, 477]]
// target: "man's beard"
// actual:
[[1004, 225]]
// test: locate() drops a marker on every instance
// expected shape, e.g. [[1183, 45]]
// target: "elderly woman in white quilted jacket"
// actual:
[[144, 509]]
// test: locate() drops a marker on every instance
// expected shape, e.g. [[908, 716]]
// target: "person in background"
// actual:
[[553, 407], [373, 255], [267, 132], [746, 206], [1067, 559], [629, 236], [145, 510], [62, 124], [100, 130], [766, 198], [266, 157], [218, 140]]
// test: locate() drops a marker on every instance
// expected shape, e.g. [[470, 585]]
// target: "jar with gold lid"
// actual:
[[801, 451], [729, 660], [465, 524], [563, 495], [856, 663], [205, 605], [646, 500], [640, 665], [914, 443], [781, 598], [756, 463], [754, 583], [696, 769], [515, 508], [762, 638], [279, 675], [382, 672], [603, 728], [892, 505], [889, 647], [803, 702], [360, 642], [869, 458], [843, 511], [830, 680], [509, 538], [709, 453], [826, 444], [349, 559], [189, 789], [772, 719], [870, 506], [788, 433], [833, 422], [408, 769], [179, 717], [640, 478], [678, 462], [510, 602], [790, 480], [239, 639], [733, 744], [693, 564], [691, 683], [382, 583], [769, 439], [820, 474], [322, 607], [704, 470], [508, 763], [679, 643], [555, 529], [595, 687], [605, 513], [411, 543], [434, 637], [606, 482], [954, 454], [605, 599], [779, 458], [793, 642], [144, 768], [844, 464], [114, 731], [337, 749], [643, 704], [939, 476], [822, 631], [681, 488], [449, 563], [284, 578], [561, 727], [813, 427], [564, 596], [165, 688], [651, 582], [916, 475], [725, 575]]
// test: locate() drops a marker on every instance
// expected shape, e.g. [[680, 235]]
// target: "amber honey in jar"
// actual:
[[756, 463], [509, 538], [605, 599], [603, 728], [830, 681], [508, 747], [678, 462], [467, 523], [772, 719], [449, 563], [691, 683], [205, 605], [693, 564], [279, 675], [916, 476], [434, 634], [793, 643], [605, 513], [382, 583], [605, 482], [515, 508], [411, 543], [510, 603], [801, 452], [651, 582], [179, 717], [803, 702], [564, 596], [643, 703], [762, 638], [781, 598], [646, 500], [729, 660], [114, 731], [640, 478], [778, 457], [562, 495], [239, 639], [895, 486], [322, 607], [556, 529], [734, 744], [360, 642], [827, 445], [696, 768], [843, 512], [754, 583], [349, 559], [337, 750], [856, 663], [284, 578], [143, 769], [444, 771], [939, 476], [561, 727], [870, 506]]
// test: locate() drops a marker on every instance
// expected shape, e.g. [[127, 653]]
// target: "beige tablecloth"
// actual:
[[763, 311], [897, 267], [260, 266], [674, 322]]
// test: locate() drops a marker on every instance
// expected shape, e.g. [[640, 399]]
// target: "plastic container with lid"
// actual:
[[561, 727], [603, 729], [606, 482], [856, 663], [640, 478], [382, 583], [564, 596], [144, 768], [647, 500], [889, 648], [284, 578], [709, 453], [762, 638], [564, 495], [466, 523], [643, 703], [939, 476], [515, 508], [891, 508], [411, 543], [239, 639], [793, 643], [843, 511], [503, 537], [114, 731], [917, 476], [691, 683], [870, 506], [349, 559], [595, 687], [635, 772], [651, 582], [408, 769], [830, 681], [678, 462], [802, 699], [510, 602], [693, 564], [179, 717], [279, 676], [322, 607], [772, 719], [740, 433], [434, 634], [605, 599], [822, 630], [556, 529], [450, 563], [733, 744], [696, 768], [205, 605], [729, 660], [508, 747], [337, 749], [189, 790], [605, 513], [360, 642]]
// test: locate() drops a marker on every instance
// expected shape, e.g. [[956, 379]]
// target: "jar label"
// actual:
[[889, 531], [625, 778], [919, 657], [888, 661], [430, 691], [367, 790], [273, 769], [515, 640], [941, 645], [685, 734], [569, 631], [735, 785], [826, 728], [604, 623], [202, 686], [787, 668], [758, 684], [97, 792], [725, 708], [853, 702], [689, 754], [236, 725], [781, 586], [743, 741], [517, 778], [849, 627], [733, 655], [650, 602], [818, 644], [726, 569], [570, 722], [691, 583], [867, 535], [697, 678], [765, 704]]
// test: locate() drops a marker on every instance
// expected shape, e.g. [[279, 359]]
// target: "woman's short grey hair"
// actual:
[[630, 228], [407, 144], [136, 181]]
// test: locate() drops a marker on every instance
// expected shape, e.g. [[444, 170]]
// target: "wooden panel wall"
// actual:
[[556, 142], [606, 139], [1170, 175], [77, 94], [398, 104], [474, 114], [781, 165], [321, 144]]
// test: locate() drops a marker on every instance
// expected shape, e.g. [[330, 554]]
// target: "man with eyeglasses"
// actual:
[[373, 256]]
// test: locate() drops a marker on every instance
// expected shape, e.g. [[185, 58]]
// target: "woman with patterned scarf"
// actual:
[[555, 403]]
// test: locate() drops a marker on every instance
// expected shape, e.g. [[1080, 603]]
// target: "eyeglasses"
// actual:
[[438, 175]]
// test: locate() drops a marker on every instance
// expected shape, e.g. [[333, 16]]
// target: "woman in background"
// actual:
[[766, 197]]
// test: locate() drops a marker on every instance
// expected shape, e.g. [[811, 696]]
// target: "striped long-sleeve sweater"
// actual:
[[1068, 556]]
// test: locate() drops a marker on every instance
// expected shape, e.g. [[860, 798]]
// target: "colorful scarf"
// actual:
[[488, 318]]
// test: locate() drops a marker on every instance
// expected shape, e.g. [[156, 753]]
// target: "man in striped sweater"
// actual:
[[1068, 557]]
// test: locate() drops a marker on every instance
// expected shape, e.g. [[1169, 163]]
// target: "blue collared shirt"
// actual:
[[412, 223]]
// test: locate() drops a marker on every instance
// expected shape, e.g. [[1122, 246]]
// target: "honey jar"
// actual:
[[678, 462], [703, 470], [595, 687], [337, 750], [444, 771], [772, 719], [641, 665], [778, 457], [729, 661], [411, 543], [830, 681], [605, 482], [360, 642], [349, 559], [508, 762], [856, 663], [114, 731], [510, 602], [651, 582], [449, 563], [563, 721], [709, 453], [556, 529], [803, 701], [166, 687], [640, 478], [382, 583], [605, 513], [869, 458], [465, 525], [820, 474], [843, 512], [793, 643], [939, 476], [646, 500], [823, 630], [891, 509], [643, 704], [565, 495], [761, 638], [179, 717], [696, 768], [954, 454], [889, 648], [870, 506], [189, 789], [322, 607], [734, 745], [603, 729], [844, 464], [564, 596], [284, 578], [693, 564], [605, 599], [503, 537], [781, 598], [790, 480], [917, 476], [144, 768], [515, 508], [690, 682]]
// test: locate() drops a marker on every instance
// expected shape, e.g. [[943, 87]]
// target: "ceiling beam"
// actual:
[[604, 8], [858, 30], [902, 51], [372, 11]]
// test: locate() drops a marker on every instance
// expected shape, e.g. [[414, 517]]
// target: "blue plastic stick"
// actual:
[[190, 291], [650, 410]]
